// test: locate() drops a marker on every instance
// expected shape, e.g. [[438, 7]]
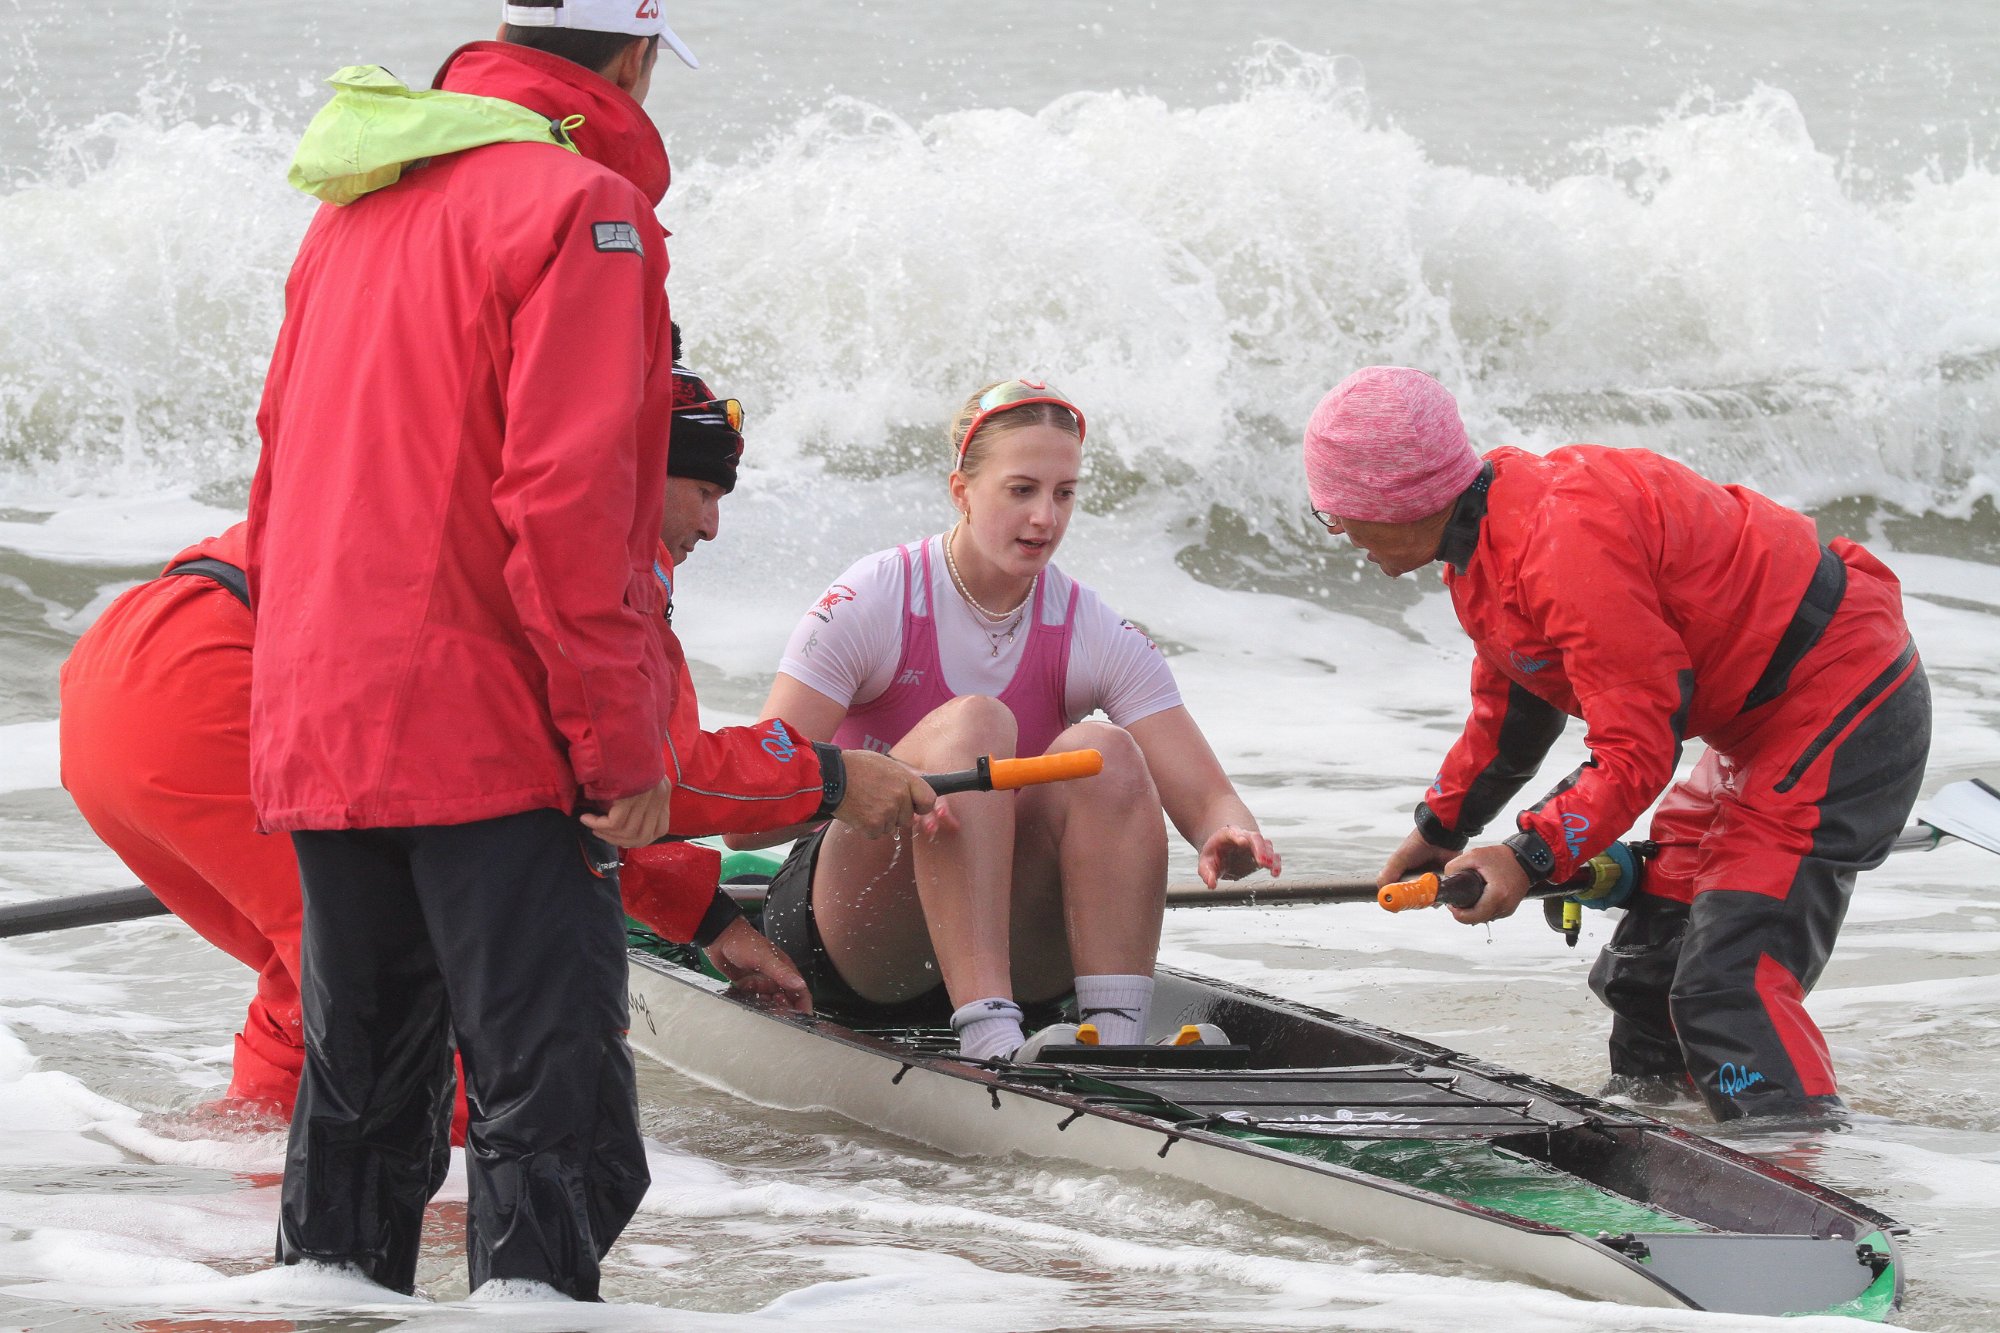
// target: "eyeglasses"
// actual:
[[1328, 521], [1015, 393]]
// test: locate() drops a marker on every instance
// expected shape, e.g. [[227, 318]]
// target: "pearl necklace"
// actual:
[[1017, 614]]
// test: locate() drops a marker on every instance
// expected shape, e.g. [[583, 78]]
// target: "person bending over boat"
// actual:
[[1618, 586], [738, 779], [973, 643], [155, 752]]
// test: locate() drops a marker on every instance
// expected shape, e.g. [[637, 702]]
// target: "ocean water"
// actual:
[[1758, 238]]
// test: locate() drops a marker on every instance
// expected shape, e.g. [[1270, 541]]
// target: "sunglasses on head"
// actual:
[[1015, 393], [729, 409]]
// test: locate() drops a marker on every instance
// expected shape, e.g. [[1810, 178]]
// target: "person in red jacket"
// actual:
[[449, 554], [155, 752], [154, 735], [458, 691], [1618, 586], [748, 779]]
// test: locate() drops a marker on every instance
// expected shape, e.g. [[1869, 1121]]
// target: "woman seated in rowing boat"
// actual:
[[972, 643]]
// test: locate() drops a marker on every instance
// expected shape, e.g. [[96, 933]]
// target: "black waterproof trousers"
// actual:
[[500, 935]]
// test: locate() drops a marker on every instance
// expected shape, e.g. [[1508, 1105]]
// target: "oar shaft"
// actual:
[[83, 909], [1262, 893], [1272, 892], [136, 902]]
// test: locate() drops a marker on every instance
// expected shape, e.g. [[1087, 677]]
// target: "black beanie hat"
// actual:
[[703, 445]]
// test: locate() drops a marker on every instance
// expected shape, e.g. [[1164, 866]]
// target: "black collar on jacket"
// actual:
[[1461, 530]]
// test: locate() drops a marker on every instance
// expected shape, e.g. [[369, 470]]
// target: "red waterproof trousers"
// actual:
[[156, 754]]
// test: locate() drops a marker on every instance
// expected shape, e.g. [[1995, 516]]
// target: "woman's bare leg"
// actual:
[[892, 932], [1029, 891], [1090, 870]]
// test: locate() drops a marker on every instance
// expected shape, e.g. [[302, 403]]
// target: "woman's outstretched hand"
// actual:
[[1232, 852]]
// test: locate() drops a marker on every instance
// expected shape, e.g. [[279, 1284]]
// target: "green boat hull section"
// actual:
[[1479, 1173], [737, 866]]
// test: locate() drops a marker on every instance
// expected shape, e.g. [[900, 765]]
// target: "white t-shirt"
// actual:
[[847, 645]]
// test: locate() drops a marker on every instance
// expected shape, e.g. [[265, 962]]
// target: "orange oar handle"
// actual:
[[1427, 890], [1061, 767], [1007, 774], [1409, 894]]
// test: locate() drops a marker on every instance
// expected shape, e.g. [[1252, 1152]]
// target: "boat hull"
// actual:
[[689, 1022]]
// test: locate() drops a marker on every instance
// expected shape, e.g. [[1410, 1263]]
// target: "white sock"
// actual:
[[988, 1029], [1116, 1002]]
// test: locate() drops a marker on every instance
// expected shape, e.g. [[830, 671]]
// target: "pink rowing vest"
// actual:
[[1034, 695]]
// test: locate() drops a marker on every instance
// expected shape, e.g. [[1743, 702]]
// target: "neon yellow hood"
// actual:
[[376, 125]]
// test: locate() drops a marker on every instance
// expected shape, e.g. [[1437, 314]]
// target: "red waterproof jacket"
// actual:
[[453, 520], [731, 780], [1618, 586], [734, 779]]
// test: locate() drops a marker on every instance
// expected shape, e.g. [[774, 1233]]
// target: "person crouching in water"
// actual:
[[973, 643], [1618, 586]]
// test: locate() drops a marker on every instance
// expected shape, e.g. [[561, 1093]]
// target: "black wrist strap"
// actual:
[[1534, 854], [1435, 833], [832, 779], [723, 912]]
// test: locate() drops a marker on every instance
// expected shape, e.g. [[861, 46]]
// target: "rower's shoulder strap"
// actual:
[[221, 571]]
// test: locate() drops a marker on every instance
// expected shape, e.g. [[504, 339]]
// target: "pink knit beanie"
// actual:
[[1386, 446]]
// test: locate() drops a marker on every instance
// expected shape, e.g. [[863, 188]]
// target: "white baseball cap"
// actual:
[[640, 18]]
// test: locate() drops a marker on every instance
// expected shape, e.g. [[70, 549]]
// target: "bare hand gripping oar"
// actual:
[[1968, 810]]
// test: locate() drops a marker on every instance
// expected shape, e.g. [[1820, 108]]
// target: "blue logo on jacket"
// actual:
[[1526, 665], [779, 744], [1574, 827]]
